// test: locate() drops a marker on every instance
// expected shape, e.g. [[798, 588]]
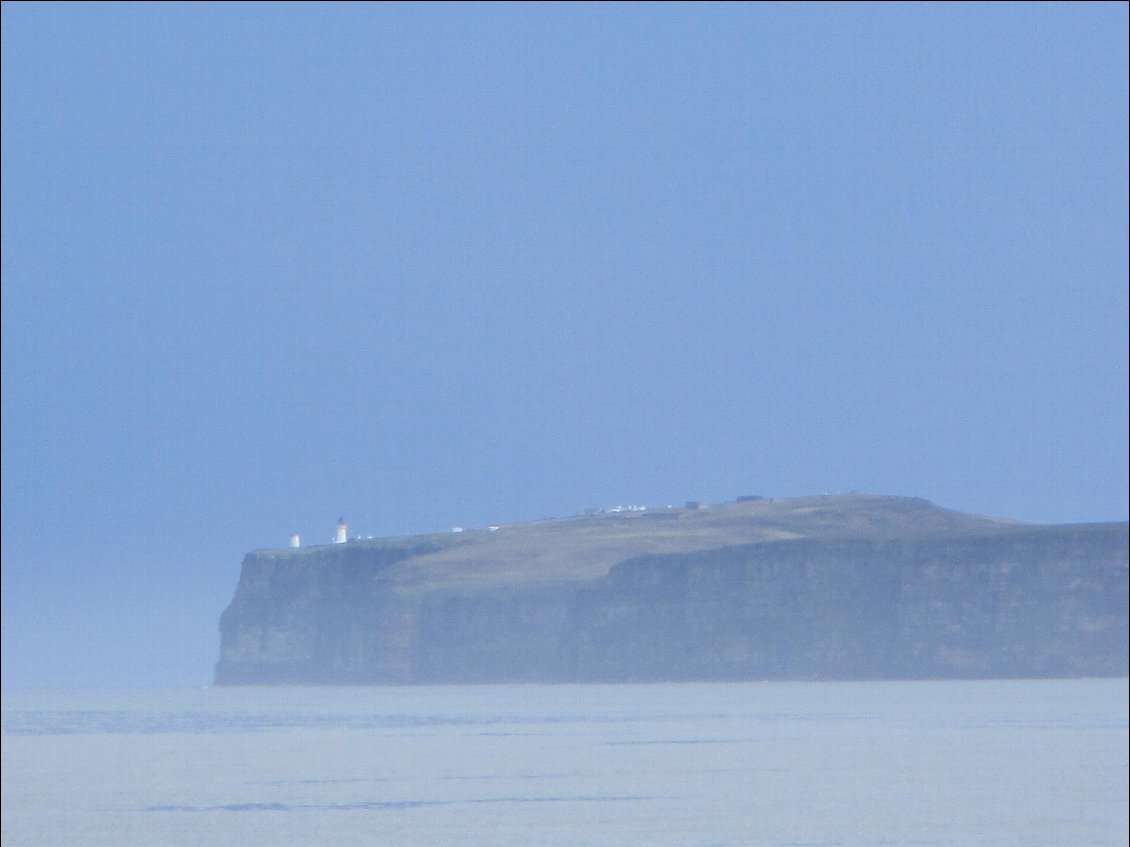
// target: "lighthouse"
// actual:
[[295, 540], [342, 534]]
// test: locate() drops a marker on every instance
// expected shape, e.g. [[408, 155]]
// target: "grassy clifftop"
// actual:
[[586, 547]]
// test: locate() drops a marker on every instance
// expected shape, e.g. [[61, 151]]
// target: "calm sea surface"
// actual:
[[1023, 763]]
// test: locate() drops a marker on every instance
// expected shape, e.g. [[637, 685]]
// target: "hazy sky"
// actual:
[[433, 265]]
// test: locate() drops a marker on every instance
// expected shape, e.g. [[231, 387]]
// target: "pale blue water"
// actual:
[[1023, 763]]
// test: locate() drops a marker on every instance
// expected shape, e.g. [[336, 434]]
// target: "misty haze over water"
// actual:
[[928, 764], [430, 266], [426, 266]]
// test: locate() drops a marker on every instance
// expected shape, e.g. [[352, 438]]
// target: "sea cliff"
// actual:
[[848, 587]]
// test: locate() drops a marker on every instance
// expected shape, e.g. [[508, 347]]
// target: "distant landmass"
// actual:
[[849, 586]]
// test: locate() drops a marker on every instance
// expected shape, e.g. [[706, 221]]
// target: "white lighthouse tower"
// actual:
[[342, 534], [295, 540]]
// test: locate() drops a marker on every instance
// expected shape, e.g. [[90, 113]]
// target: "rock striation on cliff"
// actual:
[[844, 587]]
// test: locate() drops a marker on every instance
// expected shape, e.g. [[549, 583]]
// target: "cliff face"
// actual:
[[839, 598]]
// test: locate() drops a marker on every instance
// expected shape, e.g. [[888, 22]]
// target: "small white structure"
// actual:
[[295, 540], [457, 529], [342, 534]]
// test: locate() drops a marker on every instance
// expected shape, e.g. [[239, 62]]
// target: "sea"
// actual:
[[1024, 763]]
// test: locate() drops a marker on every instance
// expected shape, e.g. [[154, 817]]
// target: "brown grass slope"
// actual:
[[585, 548]]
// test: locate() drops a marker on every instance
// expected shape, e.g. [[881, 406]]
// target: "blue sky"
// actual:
[[435, 265]]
